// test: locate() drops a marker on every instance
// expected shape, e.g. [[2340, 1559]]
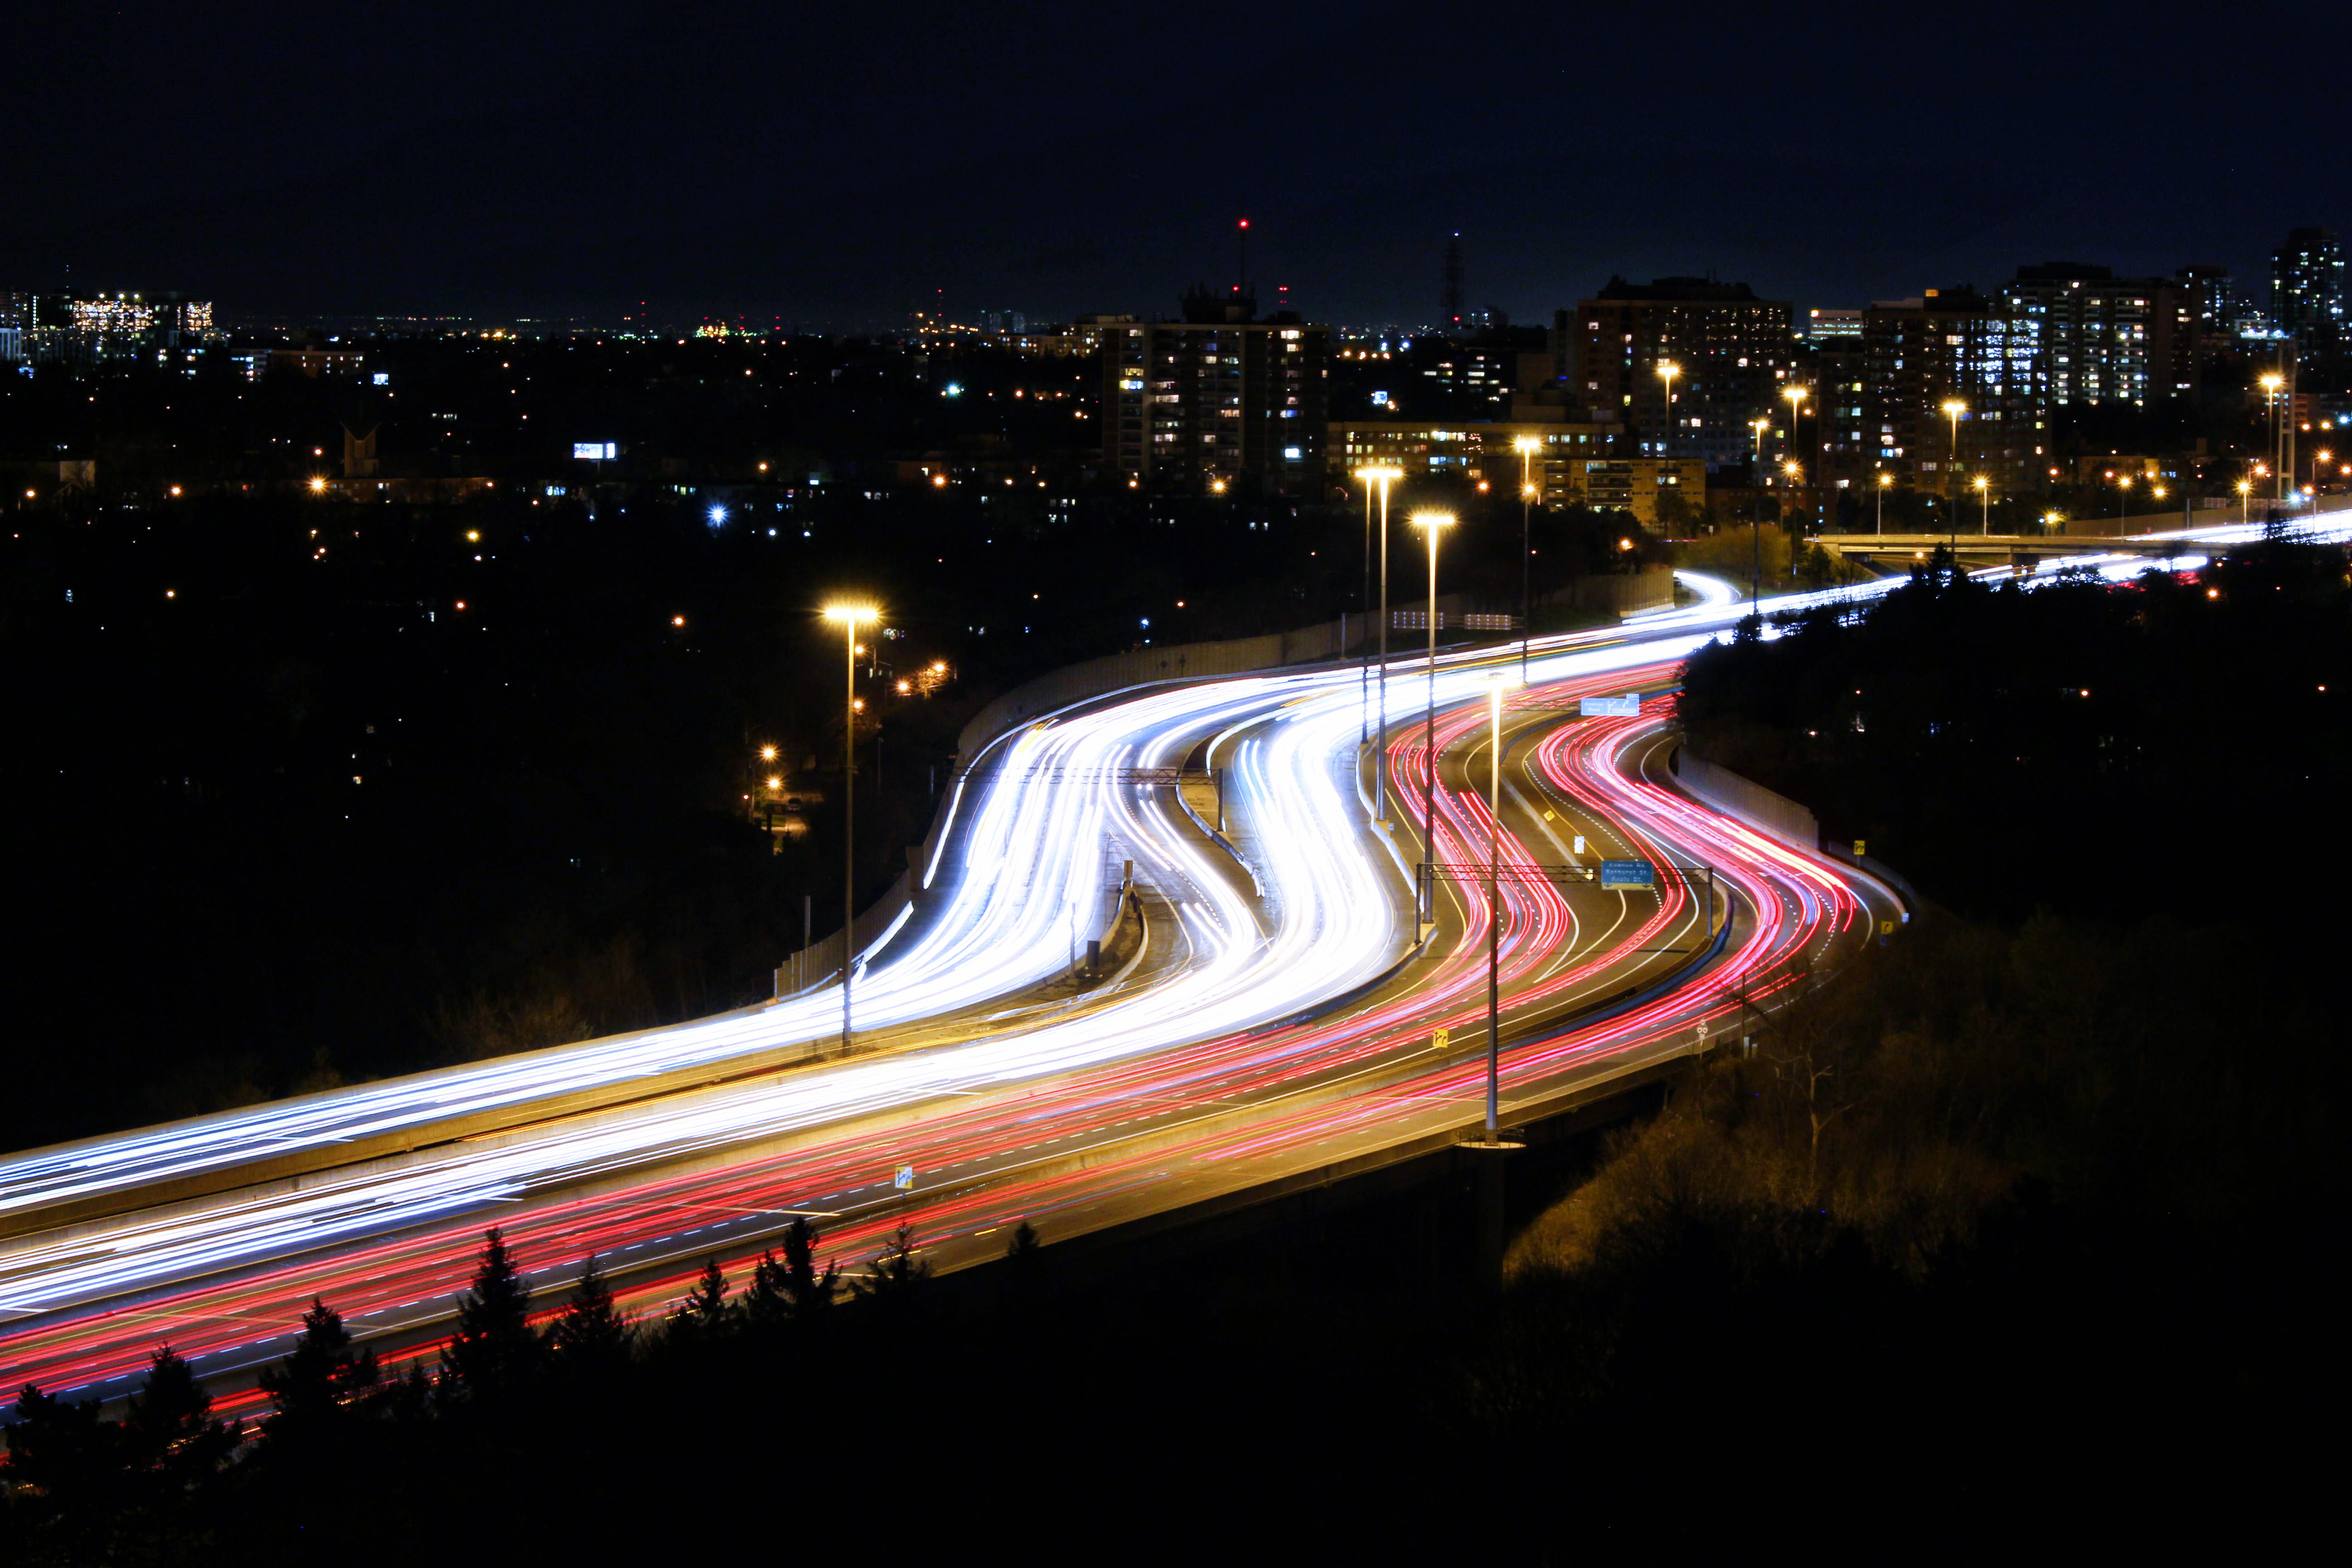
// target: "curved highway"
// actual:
[[1234, 1065]]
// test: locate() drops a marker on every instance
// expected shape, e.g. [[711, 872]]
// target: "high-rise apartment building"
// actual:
[[2103, 339], [1956, 347], [1729, 351], [1219, 398], [2307, 283], [2217, 306]]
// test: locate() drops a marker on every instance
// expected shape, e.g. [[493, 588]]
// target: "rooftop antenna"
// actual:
[[1241, 258], [1452, 304]]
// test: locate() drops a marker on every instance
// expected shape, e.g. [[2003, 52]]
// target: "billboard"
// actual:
[[597, 451]]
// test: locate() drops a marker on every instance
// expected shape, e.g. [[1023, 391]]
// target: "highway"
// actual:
[[1226, 1063]]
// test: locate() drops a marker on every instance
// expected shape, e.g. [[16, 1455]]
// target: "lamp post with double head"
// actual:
[[849, 618], [1796, 397], [1377, 480], [1494, 909], [1527, 447], [1433, 525]]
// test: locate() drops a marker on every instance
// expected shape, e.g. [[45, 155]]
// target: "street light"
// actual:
[[1883, 481], [2271, 384], [850, 617], [2245, 502], [1796, 397], [1432, 524], [1756, 521], [1379, 477], [1527, 447], [1494, 911], [1953, 410], [1984, 494], [2123, 494], [1667, 370]]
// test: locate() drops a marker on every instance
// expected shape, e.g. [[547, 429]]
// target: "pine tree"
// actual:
[[170, 1431], [704, 1314], [812, 1294], [321, 1379], [898, 1276], [1023, 1254], [767, 1304], [592, 1341], [495, 1350], [405, 1400], [60, 1453]]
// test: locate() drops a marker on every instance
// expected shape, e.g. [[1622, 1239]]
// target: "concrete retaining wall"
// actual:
[[1775, 815]]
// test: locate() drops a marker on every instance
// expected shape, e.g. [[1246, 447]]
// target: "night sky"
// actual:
[[832, 165]]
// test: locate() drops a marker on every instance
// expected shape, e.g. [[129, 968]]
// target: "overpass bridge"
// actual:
[[2023, 549]]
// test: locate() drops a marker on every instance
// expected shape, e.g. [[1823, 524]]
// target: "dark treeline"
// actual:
[[2102, 749]]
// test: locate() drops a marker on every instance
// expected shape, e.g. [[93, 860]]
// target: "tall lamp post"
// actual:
[[1953, 410], [1527, 447], [1433, 525], [1983, 486], [1667, 370], [1756, 524], [1794, 471], [1796, 397], [1494, 912], [1379, 478], [2271, 385], [2245, 503], [1883, 481], [849, 618]]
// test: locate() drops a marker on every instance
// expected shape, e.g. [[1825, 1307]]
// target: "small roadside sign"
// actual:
[[1628, 874], [1886, 928], [905, 1179], [1443, 1039], [1860, 847]]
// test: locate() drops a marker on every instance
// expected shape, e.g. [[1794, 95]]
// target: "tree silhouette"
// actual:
[[1025, 1250], [897, 1277], [62, 1455], [810, 1293], [494, 1350], [321, 1379], [766, 1302], [590, 1339], [705, 1313], [170, 1430]]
